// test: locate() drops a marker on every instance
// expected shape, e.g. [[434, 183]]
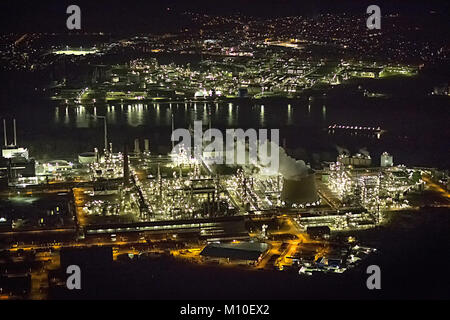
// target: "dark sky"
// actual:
[[141, 15]]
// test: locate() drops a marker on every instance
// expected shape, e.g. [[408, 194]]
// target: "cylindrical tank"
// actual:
[[87, 157]]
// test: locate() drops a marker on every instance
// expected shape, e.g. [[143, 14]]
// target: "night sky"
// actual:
[[159, 15]]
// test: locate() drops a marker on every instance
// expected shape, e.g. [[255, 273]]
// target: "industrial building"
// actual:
[[239, 252], [357, 160], [386, 160], [14, 161]]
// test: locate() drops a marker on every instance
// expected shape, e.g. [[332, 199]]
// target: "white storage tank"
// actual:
[[87, 157]]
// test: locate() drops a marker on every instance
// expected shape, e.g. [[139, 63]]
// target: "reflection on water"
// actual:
[[111, 115], [66, 116], [289, 117], [159, 115], [49, 130], [82, 119], [261, 116], [205, 115], [154, 120], [230, 114], [56, 115], [135, 115]]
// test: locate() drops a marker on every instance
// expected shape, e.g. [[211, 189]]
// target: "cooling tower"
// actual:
[[300, 191]]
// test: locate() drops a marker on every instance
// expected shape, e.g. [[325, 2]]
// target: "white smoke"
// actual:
[[364, 152], [288, 167], [342, 150]]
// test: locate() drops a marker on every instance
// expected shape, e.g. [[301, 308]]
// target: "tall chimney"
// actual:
[[15, 133], [96, 155], [126, 166], [136, 146], [4, 132], [173, 129], [146, 145]]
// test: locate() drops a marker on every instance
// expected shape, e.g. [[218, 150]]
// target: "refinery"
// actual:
[[168, 152], [220, 212]]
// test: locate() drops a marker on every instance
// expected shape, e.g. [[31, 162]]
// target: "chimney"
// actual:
[[173, 129], [4, 132], [126, 166], [15, 134], [136, 146], [146, 146]]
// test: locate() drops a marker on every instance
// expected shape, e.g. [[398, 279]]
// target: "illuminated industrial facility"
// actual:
[[180, 150]]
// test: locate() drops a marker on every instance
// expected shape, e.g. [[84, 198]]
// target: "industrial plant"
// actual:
[[172, 152]]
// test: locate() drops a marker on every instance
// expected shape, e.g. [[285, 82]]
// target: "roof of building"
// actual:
[[238, 251]]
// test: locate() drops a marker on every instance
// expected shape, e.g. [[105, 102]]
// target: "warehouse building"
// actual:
[[237, 252]]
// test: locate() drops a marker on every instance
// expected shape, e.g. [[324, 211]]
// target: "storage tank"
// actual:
[[87, 157], [301, 190]]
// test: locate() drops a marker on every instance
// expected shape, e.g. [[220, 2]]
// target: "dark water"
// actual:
[[417, 138], [416, 124]]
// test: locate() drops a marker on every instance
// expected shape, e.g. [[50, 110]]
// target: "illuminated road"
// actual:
[[436, 187], [292, 246], [80, 199]]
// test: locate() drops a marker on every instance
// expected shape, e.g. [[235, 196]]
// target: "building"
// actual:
[[57, 166], [318, 231], [238, 252], [386, 160], [12, 169], [14, 161], [357, 160], [13, 151]]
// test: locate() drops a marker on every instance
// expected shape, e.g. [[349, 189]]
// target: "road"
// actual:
[[436, 187], [293, 246]]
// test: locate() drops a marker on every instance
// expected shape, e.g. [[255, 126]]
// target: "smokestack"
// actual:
[[4, 132], [96, 155], [15, 134], [136, 146], [110, 147], [126, 166], [146, 145], [173, 128]]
